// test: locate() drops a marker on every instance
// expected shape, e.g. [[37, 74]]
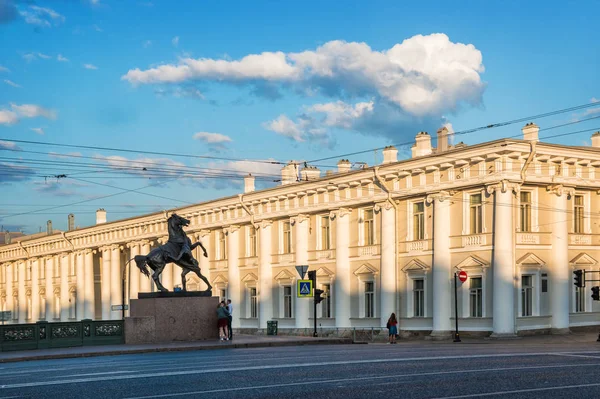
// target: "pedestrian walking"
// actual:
[[229, 318], [392, 325], [222, 321]]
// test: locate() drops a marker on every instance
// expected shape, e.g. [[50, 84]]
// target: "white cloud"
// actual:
[[33, 111], [340, 114], [90, 66], [212, 138], [63, 156], [29, 57], [284, 126], [42, 16], [145, 166], [147, 43], [61, 58], [265, 173], [423, 75], [11, 83], [95, 2], [4, 69], [97, 28], [44, 56], [175, 41], [38, 130], [8, 117], [595, 100], [9, 145]]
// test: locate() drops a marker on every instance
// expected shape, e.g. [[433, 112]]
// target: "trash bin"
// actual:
[[272, 327]]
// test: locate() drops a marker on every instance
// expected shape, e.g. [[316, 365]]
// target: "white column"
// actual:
[[35, 290], [22, 295], [503, 262], [233, 289], [115, 282], [388, 265], [64, 286], [302, 306], [341, 290], [10, 305], [89, 299], [265, 275], [105, 283], [49, 288], [442, 269], [204, 263], [80, 281], [145, 282], [559, 302], [134, 273]]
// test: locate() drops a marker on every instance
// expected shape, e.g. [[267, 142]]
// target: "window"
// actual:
[[72, 305], [287, 238], [369, 299], [368, 228], [475, 214], [56, 306], [42, 306], [579, 299], [42, 269], [251, 241], [222, 245], [418, 221], [222, 295], [287, 301], [326, 303], [525, 211], [28, 271], [325, 233], [578, 214], [419, 298], [29, 308], [475, 297], [526, 295], [253, 303]]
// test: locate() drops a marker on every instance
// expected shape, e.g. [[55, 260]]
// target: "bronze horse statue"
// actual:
[[177, 250]]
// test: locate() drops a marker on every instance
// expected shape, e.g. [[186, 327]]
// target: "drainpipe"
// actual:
[[528, 161], [69, 241], [391, 201], [241, 198], [23, 248]]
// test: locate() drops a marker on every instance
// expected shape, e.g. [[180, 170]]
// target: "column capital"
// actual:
[[341, 212], [382, 205], [162, 240], [503, 186], [440, 196], [203, 233], [231, 229], [302, 217], [559, 190], [263, 224], [132, 244]]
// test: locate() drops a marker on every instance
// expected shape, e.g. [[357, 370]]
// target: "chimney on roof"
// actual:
[[71, 223], [289, 173], [596, 140], [344, 166], [249, 183], [423, 142], [49, 230], [7, 237], [442, 139], [100, 216], [390, 154], [530, 132], [310, 173]]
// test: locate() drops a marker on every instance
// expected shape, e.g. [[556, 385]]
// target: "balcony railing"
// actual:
[[286, 258], [474, 240], [580, 239]]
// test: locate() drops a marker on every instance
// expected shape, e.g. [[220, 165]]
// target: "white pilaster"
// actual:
[[35, 290], [559, 302], [134, 273], [203, 262], [441, 270], [22, 295], [105, 283], [49, 289], [115, 282], [265, 303], [503, 262], [167, 275], [302, 306], [145, 282], [89, 299], [341, 289], [80, 281], [233, 289], [10, 305], [388, 265], [64, 286]]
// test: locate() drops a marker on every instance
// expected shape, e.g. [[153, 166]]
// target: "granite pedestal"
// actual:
[[171, 317]]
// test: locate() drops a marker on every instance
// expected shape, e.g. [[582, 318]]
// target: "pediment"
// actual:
[[284, 275], [530, 259], [472, 262], [415, 265], [220, 279], [365, 268], [324, 272], [249, 278], [583, 259]]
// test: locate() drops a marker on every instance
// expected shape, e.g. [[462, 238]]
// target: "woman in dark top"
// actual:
[[222, 316], [392, 325]]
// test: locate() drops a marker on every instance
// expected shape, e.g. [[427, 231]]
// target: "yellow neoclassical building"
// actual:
[[517, 215]]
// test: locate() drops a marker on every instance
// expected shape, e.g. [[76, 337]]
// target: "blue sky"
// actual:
[[262, 80]]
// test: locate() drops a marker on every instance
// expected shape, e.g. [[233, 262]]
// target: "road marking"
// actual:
[[478, 395], [313, 382], [574, 355]]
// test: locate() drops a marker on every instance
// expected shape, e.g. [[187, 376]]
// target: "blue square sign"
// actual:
[[304, 288]]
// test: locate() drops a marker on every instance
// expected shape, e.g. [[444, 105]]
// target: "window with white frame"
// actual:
[[578, 214], [42, 269], [525, 211], [253, 303], [475, 214], [287, 301], [287, 237], [56, 265], [326, 303], [419, 298], [16, 306], [369, 299], [222, 294], [580, 299], [418, 220], [251, 250], [28, 267], [222, 245], [368, 227], [71, 266], [15, 272], [476, 297], [325, 231], [526, 295]]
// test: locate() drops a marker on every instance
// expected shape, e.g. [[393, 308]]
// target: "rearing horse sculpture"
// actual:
[[177, 250]]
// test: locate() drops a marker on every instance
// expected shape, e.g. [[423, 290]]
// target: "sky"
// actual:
[[143, 105]]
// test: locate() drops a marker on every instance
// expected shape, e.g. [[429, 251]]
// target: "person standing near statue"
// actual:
[[222, 321], [229, 318]]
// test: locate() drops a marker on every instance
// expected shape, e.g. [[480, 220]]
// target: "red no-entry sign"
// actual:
[[462, 276]]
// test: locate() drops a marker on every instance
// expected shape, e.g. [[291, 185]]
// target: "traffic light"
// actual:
[[318, 297], [596, 293], [312, 275], [579, 278]]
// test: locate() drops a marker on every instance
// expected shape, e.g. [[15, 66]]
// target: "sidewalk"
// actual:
[[239, 341]]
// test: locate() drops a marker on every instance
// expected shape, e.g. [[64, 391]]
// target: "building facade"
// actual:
[[517, 215]]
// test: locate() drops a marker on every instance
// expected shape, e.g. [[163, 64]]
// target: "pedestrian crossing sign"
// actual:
[[304, 288]]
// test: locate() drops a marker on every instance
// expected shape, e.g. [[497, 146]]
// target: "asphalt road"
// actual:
[[405, 370]]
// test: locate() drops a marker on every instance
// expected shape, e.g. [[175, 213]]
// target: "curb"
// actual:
[[340, 341]]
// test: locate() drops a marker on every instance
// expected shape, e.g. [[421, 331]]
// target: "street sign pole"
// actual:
[[315, 305], [456, 335]]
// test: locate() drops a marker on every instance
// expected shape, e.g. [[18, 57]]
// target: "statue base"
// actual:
[[171, 317]]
